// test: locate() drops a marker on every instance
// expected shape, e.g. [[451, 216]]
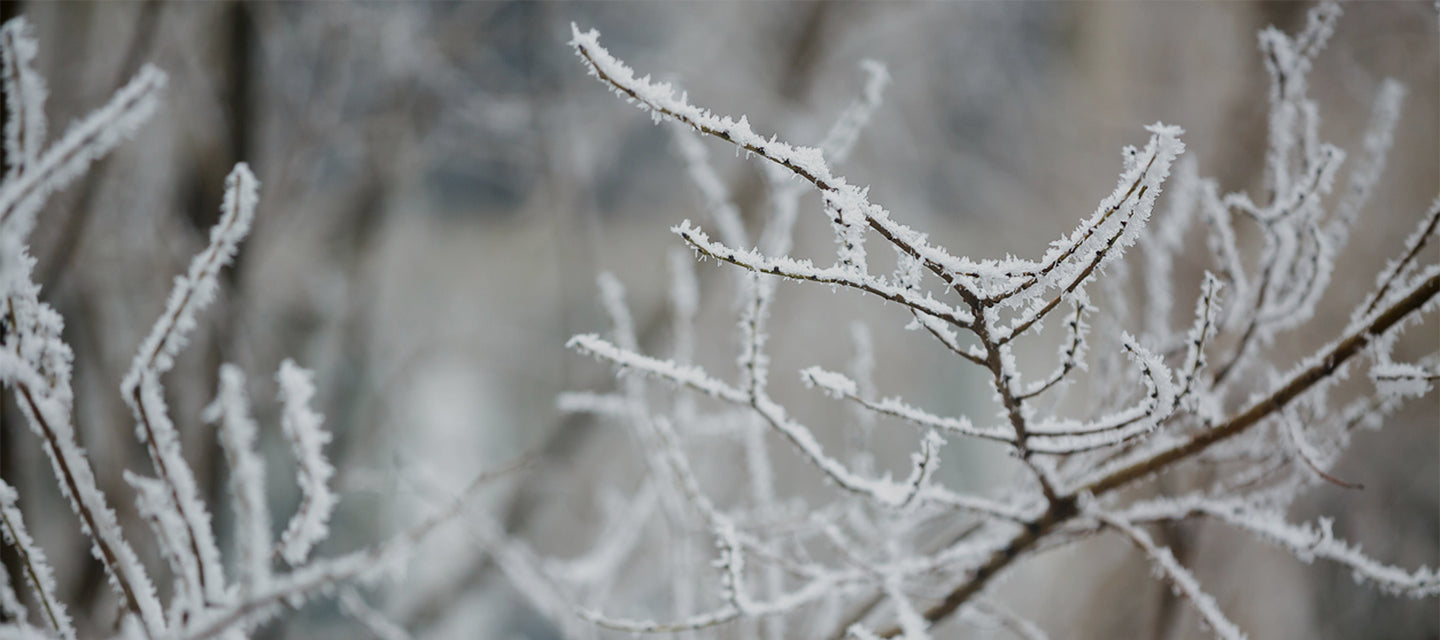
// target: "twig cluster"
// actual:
[[894, 555], [35, 365]]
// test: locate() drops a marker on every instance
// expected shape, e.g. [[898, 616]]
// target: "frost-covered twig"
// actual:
[[238, 433], [142, 391], [805, 270], [33, 564], [25, 95], [304, 431], [839, 386], [1306, 542], [1178, 576]]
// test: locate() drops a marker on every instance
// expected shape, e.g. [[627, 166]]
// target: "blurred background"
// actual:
[[442, 182]]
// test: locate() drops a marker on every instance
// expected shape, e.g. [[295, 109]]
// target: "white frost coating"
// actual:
[[1395, 270], [661, 101], [1059, 436], [1072, 350], [806, 270], [834, 384], [49, 417], [238, 433], [196, 289], [913, 626], [33, 565], [1305, 541], [1102, 238], [83, 143], [837, 385], [1398, 380], [1207, 317], [924, 463], [141, 387], [194, 537], [35, 361], [1178, 576], [304, 431], [884, 491], [25, 95], [755, 296], [843, 210], [683, 375], [172, 537]]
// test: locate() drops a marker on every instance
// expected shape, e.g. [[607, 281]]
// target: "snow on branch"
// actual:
[[808, 163], [1403, 379], [687, 376], [1072, 259], [839, 386], [34, 359], [196, 289], [1072, 351], [838, 275], [47, 410], [141, 387], [1306, 542], [238, 433], [1396, 270], [1178, 576], [1159, 403], [33, 565], [25, 95], [85, 142], [305, 433]]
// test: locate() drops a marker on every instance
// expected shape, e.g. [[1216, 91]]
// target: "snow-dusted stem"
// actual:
[[32, 563]]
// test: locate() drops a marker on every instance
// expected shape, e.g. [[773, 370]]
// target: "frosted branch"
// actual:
[[683, 375], [1306, 542], [305, 433], [805, 270], [25, 95], [238, 433], [85, 142], [839, 386], [1178, 576], [33, 565]]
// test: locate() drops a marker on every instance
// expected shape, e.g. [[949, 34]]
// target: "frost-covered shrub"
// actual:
[[894, 553], [35, 365]]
